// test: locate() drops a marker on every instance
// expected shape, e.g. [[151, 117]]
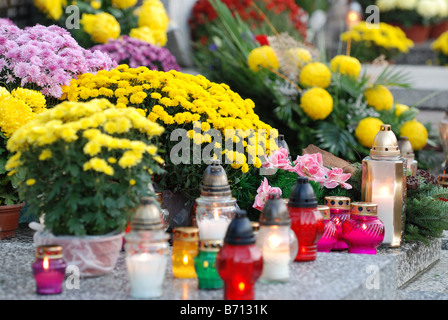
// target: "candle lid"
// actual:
[[303, 196], [215, 182], [240, 231], [148, 216], [385, 143], [337, 202], [282, 142], [50, 251], [325, 211], [364, 208], [405, 147], [210, 245], [443, 179], [275, 211], [188, 234]]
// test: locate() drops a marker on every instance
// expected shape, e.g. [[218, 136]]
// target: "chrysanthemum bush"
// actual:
[[332, 103], [17, 108], [44, 58], [369, 41], [86, 164], [136, 53], [200, 108], [103, 20]]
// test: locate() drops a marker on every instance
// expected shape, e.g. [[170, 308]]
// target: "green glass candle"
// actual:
[[205, 264]]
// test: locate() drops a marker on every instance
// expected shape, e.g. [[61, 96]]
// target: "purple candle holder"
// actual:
[[49, 269], [363, 232], [328, 240], [340, 212]]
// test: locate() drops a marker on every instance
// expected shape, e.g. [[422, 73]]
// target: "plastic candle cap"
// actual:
[[148, 216], [215, 181], [303, 196], [405, 147], [240, 231], [275, 211], [385, 143]]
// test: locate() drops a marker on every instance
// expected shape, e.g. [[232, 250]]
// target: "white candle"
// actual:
[[213, 228], [146, 274], [276, 259], [385, 201]]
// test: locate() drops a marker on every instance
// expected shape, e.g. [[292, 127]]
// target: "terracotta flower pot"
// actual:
[[93, 255], [9, 220], [417, 33], [438, 29]]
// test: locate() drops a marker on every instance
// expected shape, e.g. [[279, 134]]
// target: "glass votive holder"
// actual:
[[205, 264], [49, 269], [185, 249], [329, 237]]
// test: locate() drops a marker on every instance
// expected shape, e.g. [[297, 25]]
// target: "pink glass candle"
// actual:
[[363, 232], [49, 269], [340, 211], [328, 239]]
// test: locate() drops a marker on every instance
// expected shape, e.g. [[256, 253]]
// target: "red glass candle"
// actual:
[[49, 269], [306, 221], [363, 232], [239, 262], [340, 211], [328, 240]]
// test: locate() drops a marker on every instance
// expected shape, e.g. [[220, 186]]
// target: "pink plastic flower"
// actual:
[[263, 192], [279, 159], [336, 177], [311, 166]]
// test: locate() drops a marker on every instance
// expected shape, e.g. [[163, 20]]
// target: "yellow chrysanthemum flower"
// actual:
[[416, 133], [346, 65], [124, 4], [101, 26], [379, 97], [400, 108], [300, 56], [30, 182], [155, 37], [315, 74], [317, 103], [14, 113], [367, 129], [51, 8], [152, 14], [264, 57], [32, 98], [441, 44]]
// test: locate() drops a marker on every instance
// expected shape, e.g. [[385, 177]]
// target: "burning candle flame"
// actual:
[[241, 286], [216, 214], [363, 227], [273, 241], [45, 263], [353, 16], [185, 259], [384, 191]]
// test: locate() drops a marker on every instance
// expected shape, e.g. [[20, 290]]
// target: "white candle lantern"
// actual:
[[276, 241], [147, 251], [384, 183], [407, 152], [215, 207]]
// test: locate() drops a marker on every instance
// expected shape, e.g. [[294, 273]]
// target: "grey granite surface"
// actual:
[[332, 276]]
